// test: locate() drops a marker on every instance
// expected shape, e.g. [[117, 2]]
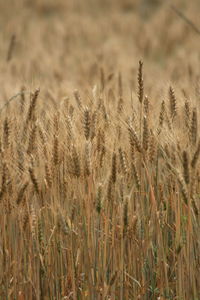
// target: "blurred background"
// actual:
[[61, 45]]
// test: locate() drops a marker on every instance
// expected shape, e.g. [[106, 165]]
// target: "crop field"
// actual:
[[99, 150]]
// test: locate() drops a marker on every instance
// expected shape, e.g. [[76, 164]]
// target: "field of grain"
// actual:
[[99, 150]]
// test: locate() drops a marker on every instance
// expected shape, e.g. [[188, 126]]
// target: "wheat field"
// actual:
[[99, 148]]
